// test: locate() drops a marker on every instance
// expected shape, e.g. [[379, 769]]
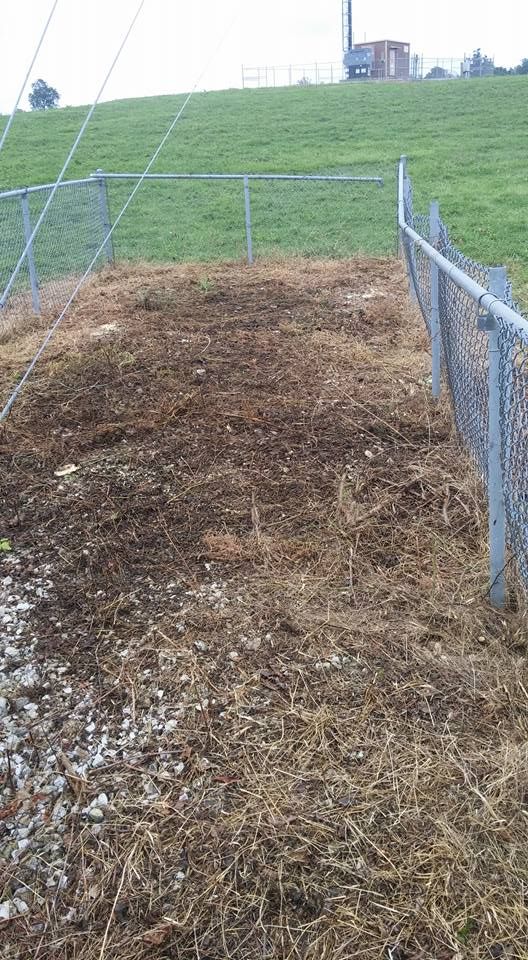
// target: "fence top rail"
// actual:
[[486, 300], [23, 191], [101, 175]]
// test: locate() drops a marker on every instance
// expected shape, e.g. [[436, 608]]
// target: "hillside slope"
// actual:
[[465, 142]]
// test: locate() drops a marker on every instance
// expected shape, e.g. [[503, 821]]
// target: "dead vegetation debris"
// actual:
[[283, 719]]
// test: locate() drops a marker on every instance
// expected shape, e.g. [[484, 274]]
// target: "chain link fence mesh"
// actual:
[[513, 350], [12, 243], [182, 219], [69, 238], [466, 366], [204, 220], [66, 243]]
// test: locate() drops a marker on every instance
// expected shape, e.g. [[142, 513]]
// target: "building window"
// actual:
[[406, 48]]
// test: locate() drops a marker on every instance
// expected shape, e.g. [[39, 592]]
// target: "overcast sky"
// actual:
[[173, 40]]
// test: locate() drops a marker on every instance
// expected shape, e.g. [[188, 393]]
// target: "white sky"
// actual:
[[174, 38]]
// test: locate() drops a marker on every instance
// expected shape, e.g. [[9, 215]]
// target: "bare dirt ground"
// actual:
[[254, 701]]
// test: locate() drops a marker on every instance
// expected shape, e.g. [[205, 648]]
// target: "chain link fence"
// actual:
[[414, 67], [478, 336], [220, 217], [483, 351], [180, 217], [513, 351], [73, 230]]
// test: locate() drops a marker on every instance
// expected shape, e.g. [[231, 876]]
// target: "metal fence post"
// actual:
[[407, 199], [249, 239], [399, 243], [33, 278], [105, 215], [436, 342], [497, 524]]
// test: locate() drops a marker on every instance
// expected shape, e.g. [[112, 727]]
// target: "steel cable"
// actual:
[[77, 140], [26, 78]]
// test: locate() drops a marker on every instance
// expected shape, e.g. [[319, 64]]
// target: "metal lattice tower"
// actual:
[[348, 36]]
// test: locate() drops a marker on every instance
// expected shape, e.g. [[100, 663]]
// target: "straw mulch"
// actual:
[[273, 525]]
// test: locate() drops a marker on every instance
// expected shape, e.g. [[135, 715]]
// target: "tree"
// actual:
[[42, 96], [522, 67], [481, 65], [502, 72], [437, 73], [304, 82]]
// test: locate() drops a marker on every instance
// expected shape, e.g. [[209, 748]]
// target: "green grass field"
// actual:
[[466, 144]]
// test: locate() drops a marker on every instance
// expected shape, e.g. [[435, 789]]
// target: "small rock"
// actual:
[[23, 893], [6, 910], [253, 644], [96, 815], [21, 905]]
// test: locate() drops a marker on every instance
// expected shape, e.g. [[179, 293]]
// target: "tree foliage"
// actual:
[[520, 70], [437, 73], [481, 65], [42, 96]]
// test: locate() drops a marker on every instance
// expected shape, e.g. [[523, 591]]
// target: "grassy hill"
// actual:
[[465, 142]]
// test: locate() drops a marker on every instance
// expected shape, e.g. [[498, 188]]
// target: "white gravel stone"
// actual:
[[20, 905], [6, 910], [96, 815]]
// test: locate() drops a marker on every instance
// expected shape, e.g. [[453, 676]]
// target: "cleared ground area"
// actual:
[[254, 701]]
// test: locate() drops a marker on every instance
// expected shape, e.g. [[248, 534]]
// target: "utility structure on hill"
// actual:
[[357, 62], [381, 60]]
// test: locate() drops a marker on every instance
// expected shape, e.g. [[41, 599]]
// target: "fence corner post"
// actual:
[[249, 238], [33, 277], [105, 215], [497, 524], [436, 340]]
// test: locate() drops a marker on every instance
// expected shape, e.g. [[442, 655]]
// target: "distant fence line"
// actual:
[[251, 210], [318, 74]]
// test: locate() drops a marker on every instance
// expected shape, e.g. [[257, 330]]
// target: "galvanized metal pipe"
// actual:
[[105, 218], [496, 514], [486, 300], [436, 342], [44, 186], [33, 278], [237, 176], [247, 205]]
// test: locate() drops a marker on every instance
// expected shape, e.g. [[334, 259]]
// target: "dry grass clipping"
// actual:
[[353, 738]]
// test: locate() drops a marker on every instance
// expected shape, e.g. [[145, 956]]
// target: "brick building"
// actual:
[[390, 59]]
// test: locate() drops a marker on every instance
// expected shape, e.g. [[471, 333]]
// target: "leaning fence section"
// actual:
[[479, 339]]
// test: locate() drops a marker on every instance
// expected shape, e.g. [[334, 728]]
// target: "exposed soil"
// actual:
[[260, 703]]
